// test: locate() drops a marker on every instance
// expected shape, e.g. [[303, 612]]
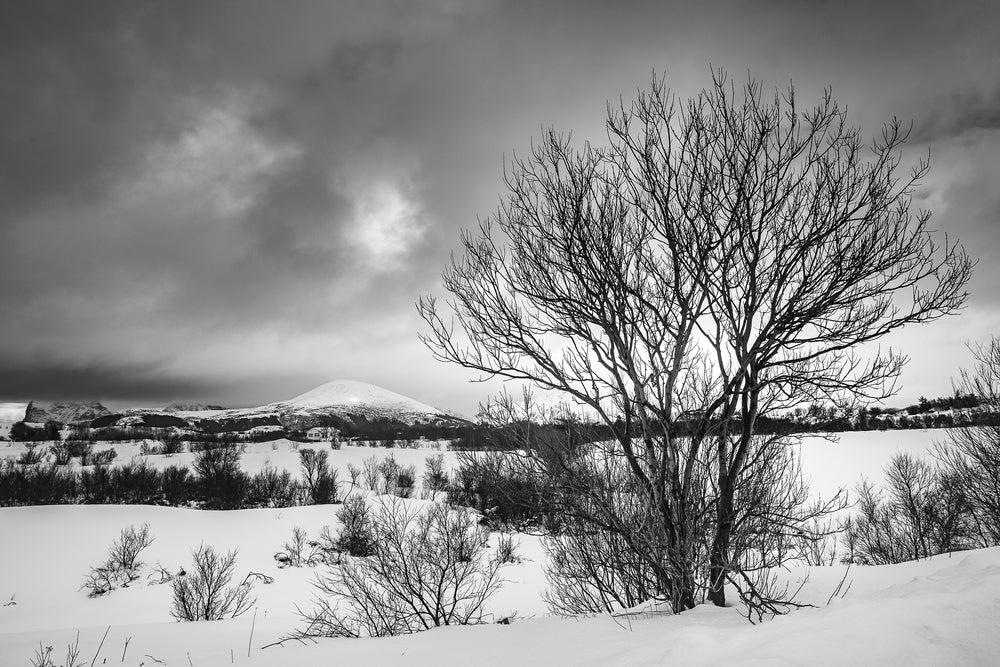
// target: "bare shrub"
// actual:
[[328, 546], [923, 513], [406, 479], [60, 454], [371, 473], [389, 475], [601, 566], [299, 551], [971, 456], [357, 534], [435, 477], [320, 482], [177, 484], [32, 455], [150, 448], [271, 487], [172, 444], [223, 483], [204, 593], [507, 549], [428, 568], [43, 656], [122, 565], [355, 473], [103, 457], [512, 491]]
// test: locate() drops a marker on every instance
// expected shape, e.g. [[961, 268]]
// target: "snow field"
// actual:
[[934, 612]]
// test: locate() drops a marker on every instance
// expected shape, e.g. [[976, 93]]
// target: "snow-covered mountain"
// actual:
[[359, 398], [336, 402], [353, 401], [191, 407], [64, 413]]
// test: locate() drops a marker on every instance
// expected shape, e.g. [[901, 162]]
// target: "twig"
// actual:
[[252, 624], [263, 577], [836, 591], [100, 646], [127, 640], [300, 639], [156, 660]]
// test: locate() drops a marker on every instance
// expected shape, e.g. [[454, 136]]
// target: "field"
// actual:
[[932, 612]]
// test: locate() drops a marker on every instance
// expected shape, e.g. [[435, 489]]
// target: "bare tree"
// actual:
[[426, 568], [205, 593], [923, 512], [720, 260], [972, 454]]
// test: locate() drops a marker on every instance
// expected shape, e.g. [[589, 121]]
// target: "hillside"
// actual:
[[355, 407]]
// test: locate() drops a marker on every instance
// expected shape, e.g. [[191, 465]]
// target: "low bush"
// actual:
[[43, 655], [507, 549], [150, 448], [356, 536], [222, 483], [435, 477], [406, 480], [204, 593], [319, 480], [60, 454], [122, 565], [135, 483], [271, 488], [925, 512], [300, 551], [428, 568], [103, 457], [32, 455], [95, 485], [371, 473], [389, 475], [79, 449], [172, 444], [177, 485], [36, 484], [502, 490]]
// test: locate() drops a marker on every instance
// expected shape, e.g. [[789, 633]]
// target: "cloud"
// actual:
[[250, 193], [106, 381], [955, 114]]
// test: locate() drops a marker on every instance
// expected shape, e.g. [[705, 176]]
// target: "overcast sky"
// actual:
[[234, 202]]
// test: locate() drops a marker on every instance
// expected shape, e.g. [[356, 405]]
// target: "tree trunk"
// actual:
[[718, 563]]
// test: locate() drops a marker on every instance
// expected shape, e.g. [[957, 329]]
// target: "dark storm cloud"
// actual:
[[237, 192], [949, 116], [72, 381], [105, 238]]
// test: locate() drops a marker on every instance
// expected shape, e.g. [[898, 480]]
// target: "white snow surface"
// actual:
[[941, 611], [12, 412]]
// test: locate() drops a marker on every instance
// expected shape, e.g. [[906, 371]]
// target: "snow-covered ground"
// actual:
[[939, 611]]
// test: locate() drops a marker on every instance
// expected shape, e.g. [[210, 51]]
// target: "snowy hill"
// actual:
[[940, 611], [64, 413], [359, 398], [335, 403]]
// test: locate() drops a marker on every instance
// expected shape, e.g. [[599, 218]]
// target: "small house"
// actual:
[[323, 434]]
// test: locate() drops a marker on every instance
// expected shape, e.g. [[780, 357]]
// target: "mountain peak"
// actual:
[[351, 393]]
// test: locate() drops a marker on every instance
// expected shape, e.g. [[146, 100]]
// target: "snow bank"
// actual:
[[934, 612]]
